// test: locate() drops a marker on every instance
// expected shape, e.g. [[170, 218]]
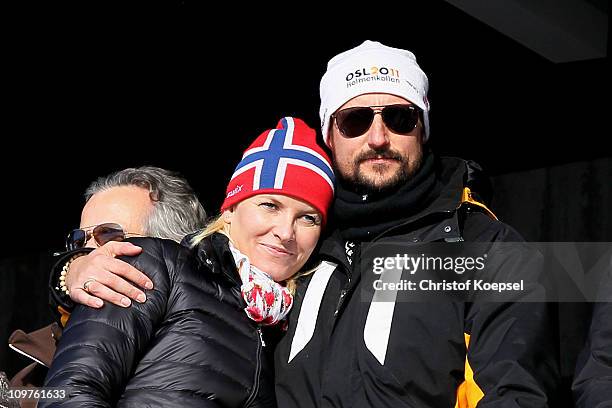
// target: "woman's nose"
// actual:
[[284, 229]]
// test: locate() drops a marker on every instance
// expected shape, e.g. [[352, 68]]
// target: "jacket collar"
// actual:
[[214, 253], [452, 173], [440, 214]]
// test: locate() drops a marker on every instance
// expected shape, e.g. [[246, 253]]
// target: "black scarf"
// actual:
[[361, 218]]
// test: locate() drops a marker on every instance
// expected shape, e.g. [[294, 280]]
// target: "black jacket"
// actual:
[[343, 350], [189, 345], [593, 381]]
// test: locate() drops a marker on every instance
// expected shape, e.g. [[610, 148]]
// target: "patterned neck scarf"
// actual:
[[267, 301]]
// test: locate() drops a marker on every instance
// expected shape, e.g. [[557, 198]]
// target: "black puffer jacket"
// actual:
[[189, 345]]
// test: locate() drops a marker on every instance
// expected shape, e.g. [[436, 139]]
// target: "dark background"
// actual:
[[186, 89]]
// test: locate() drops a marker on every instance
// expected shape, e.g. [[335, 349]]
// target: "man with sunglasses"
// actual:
[[143, 201], [342, 349], [345, 348]]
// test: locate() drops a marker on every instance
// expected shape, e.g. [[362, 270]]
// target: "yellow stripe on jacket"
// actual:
[[468, 392]]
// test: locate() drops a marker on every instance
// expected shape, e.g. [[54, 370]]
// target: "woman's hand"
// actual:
[[106, 277]]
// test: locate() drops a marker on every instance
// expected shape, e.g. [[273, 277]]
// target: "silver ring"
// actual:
[[87, 283]]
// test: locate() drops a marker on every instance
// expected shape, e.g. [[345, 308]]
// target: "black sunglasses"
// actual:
[[353, 122], [102, 233]]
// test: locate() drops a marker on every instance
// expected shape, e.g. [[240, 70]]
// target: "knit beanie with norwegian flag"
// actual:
[[286, 160]]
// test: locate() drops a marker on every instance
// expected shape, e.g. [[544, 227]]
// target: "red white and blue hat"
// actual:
[[286, 160]]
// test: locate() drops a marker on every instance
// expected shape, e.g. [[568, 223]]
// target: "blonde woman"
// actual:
[[197, 340]]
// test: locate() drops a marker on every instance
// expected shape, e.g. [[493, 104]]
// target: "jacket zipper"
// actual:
[[260, 345], [347, 286]]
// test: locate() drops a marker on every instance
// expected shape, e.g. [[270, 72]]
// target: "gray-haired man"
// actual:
[[145, 201]]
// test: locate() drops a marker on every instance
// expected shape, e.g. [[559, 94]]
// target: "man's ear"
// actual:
[[422, 132], [330, 138]]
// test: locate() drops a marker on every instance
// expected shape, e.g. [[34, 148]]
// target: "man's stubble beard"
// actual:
[[358, 182]]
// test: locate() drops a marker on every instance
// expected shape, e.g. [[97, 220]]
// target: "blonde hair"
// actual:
[[219, 225]]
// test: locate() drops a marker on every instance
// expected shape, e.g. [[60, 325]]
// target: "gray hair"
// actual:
[[176, 208]]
